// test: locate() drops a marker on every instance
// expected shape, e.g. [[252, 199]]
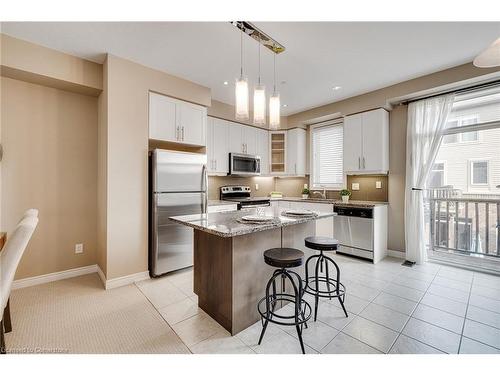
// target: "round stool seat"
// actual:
[[284, 257], [321, 243]]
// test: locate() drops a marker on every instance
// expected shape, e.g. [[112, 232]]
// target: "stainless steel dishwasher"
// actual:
[[353, 228]]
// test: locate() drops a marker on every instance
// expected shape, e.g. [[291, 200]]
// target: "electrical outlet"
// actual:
[[256, 186], [378, 184], [78, 248], [355, 186]]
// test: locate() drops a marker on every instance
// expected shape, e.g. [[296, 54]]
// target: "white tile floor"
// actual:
[[392, 309]]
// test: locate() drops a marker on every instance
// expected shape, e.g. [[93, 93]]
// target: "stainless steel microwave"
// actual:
[[244, 165]]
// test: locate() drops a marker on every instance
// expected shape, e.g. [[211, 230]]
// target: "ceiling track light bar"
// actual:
[[254, 32]]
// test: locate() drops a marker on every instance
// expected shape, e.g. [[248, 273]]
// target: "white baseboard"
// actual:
[[74, 272], [55, 276], [125, 280], [101, 276], [396, 254]]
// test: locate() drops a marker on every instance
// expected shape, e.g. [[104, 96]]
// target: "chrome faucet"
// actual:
[[322, 195]]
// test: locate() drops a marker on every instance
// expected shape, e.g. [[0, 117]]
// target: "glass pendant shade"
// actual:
[[490, 57], [259, 105], [274, 111], [241, 92]]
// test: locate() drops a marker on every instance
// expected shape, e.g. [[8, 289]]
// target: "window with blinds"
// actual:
[[327, 156]]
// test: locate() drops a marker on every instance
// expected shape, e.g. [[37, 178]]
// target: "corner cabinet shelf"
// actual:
[[277, 152]]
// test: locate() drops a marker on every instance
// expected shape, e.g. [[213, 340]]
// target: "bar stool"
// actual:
[[334, 288], [283, 259]]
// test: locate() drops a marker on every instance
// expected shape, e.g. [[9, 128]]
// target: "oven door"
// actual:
[[244, 165]]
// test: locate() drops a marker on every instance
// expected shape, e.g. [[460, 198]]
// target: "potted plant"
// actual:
[[345, 194], [305, 193]]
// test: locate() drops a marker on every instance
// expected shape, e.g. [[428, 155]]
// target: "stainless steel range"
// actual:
[[242, 195]]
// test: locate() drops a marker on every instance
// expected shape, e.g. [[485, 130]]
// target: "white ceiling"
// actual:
[[359, 57]]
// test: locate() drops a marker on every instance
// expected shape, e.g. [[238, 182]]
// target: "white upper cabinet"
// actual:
[[217, 147], [162, 118], [353, 142], [192, 122], [296, 152], [242, 138], [366, 142], [236, 143], [176, 121], [249, 138], [262, 150]]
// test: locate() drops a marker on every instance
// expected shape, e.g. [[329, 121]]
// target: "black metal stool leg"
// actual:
[[316, 280], [341, 300], [298, 304], [327, 278], [268, 308]]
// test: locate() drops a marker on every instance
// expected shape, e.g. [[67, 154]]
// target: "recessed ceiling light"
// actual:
[[285, 105], [335, 88], [226, 83]]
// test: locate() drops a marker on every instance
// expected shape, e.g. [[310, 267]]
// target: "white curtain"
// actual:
[[426, 122]]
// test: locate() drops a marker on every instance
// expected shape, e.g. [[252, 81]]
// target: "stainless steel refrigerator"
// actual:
[[178, 183]]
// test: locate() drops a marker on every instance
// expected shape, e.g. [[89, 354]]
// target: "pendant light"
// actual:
[[241, 89], [274, 104], [259, 100], [490, 57]]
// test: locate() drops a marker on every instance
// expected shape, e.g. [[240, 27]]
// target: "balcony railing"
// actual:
[[464, 225]]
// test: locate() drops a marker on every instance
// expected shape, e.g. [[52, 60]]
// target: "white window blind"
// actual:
[[327, 156]]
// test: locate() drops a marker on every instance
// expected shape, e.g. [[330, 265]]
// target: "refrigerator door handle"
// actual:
[[204, 203]]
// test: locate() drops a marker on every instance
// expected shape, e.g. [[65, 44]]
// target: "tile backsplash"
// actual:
[[367, 188], [292, 186]]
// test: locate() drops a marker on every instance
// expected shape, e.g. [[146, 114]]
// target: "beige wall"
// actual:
[[126, 127], [454, 77], [50, 163], [33, 63], [102, 175]]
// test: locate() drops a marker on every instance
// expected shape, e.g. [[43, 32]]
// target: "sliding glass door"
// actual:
[[463, 188]]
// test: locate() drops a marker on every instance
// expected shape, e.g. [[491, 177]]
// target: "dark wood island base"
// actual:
[[230, 275]]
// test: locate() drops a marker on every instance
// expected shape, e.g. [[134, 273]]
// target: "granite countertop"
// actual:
[[337, 202], [216, 202], [225, 224]]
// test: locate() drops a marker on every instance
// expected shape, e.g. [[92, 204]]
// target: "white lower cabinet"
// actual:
[[324, 227], [222, 208]]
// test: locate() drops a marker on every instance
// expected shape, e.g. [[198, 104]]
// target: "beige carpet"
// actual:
[[78, 316]]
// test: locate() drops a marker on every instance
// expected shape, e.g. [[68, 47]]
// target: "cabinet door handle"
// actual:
[[215, 164], [183, 133], [177, 133], [295, 168], [359, 162], [364, 167]]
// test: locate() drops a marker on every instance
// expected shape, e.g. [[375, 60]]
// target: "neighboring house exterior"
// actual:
[[470, 162], [468, 166]]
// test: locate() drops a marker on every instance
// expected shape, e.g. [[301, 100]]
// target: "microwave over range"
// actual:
[[244, 165]]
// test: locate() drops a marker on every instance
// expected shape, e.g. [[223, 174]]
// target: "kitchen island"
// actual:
[[230, 275]]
